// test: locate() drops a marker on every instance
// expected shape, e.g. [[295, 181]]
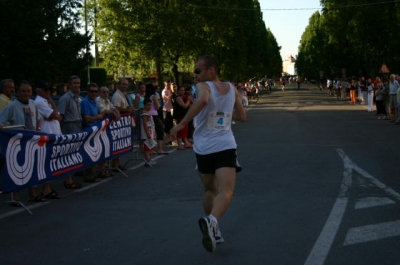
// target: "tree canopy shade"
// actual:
[[358, 36], [40, 40], [166, 36]]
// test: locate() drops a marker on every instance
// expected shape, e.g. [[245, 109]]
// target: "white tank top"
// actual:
[[213, 124]]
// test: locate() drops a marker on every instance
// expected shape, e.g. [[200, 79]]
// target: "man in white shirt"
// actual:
[[50, 123], [121, 104]]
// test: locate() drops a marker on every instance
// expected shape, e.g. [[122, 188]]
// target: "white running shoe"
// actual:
[[208, 228], [153, 162], [218, 236]]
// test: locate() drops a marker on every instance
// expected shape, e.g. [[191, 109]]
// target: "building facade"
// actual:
[[289, 66]]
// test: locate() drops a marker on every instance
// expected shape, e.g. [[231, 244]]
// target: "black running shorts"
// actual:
[[208, 164]]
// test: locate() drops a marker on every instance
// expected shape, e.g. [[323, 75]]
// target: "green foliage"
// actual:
[[166, 37], [40, 40], [351, 34]]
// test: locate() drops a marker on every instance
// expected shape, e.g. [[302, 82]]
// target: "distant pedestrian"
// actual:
[[379, 100], [343, 87], [370, 91], [393, 88], [363, 88], [353, 88], [298, 81]]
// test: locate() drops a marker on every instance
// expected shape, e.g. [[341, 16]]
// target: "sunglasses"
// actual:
[[198, 70], [93, 91]]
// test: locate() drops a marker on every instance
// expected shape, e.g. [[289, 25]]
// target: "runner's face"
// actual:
[[200, 71]]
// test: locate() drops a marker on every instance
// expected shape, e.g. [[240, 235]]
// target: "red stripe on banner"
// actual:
[[67, 169], [122, 151]]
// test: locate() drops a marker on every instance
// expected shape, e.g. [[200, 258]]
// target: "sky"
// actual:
[[288, 25]]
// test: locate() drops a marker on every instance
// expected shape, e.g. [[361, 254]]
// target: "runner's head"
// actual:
[[206, 69]]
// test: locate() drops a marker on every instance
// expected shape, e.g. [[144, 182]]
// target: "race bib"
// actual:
[[219, 120]]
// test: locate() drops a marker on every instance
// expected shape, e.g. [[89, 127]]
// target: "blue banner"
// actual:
[[30, 157]]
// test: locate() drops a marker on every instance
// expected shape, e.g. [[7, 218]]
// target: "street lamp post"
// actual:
[[87, 45]]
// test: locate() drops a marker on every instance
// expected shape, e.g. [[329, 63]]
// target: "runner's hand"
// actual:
[[175, 130]]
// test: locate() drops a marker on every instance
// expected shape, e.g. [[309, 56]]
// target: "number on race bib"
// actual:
[[219, 120]]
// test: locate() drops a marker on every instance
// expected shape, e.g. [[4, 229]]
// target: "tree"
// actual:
[[43, 41], [167, 36], [351, 34]]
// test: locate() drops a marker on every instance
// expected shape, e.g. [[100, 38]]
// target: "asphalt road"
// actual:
[[320, 185]]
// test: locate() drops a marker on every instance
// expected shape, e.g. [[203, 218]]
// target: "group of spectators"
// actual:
[[252, 87], [384, 92], [155, 113]]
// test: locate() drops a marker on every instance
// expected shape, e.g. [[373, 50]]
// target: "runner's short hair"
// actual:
[[209, 61]]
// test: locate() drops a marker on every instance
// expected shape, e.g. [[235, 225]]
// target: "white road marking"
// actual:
[[321, 248], [86, 187], [372, 202], [324, 242], [372, 232], [355, 235], [376, 182], [20, 210]]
